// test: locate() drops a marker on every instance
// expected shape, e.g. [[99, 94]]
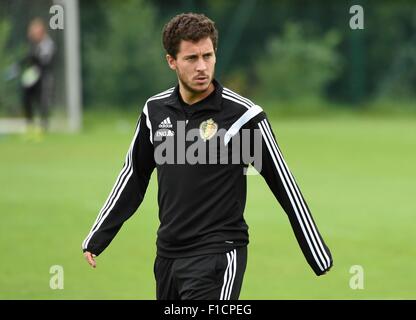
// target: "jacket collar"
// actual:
[[214, 103]]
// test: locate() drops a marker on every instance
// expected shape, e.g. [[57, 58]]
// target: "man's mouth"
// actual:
[[201, 79]]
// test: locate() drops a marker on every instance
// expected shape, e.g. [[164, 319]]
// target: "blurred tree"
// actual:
[[298, 65], [393, 48], [9, 92], [400, 81], [369, 57], [94, 28], [128, 65]]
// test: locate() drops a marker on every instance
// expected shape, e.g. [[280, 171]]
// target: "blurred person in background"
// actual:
[[36, 77]]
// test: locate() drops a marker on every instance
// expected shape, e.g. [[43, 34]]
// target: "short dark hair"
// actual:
[[189, 27]]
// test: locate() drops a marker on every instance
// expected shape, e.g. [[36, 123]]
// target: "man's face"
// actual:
[[194, 64], [36, 32]]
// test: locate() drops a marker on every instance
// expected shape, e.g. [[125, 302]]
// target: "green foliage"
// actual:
[[8, 92], [128, 65], [298, 65], [390, 48], [400, 82], [4, 34], [304, 62]]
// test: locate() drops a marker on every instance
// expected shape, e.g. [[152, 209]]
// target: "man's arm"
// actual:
[[284, 187], [127, 194]]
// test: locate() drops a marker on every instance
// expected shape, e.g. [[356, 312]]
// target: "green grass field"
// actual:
[[356, 172]]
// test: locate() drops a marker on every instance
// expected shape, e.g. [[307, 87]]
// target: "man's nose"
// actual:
[[201, 65]]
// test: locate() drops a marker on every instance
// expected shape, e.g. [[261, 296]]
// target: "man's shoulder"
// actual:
[[233, 99], [161, 95], [157, 99], [236, 102]]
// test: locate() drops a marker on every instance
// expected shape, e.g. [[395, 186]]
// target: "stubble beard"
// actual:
[[189, 88]]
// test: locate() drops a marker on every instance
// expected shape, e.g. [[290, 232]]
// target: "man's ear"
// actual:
[[171, 61]]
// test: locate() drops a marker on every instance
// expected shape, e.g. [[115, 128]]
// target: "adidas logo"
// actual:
[[165, 123]]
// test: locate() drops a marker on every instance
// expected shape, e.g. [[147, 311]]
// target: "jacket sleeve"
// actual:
[[284, 187], [127, 193]]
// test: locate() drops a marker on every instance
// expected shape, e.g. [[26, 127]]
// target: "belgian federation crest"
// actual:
[[207, 129]]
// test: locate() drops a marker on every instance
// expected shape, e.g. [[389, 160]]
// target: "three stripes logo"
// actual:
[[165, 124], [165, 129]]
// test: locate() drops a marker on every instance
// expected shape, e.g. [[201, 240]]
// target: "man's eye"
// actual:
[[191, 58]]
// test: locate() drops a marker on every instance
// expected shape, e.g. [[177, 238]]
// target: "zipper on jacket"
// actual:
[[187, 117]]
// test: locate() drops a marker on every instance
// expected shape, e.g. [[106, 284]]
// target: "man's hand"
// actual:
[[90, 258]]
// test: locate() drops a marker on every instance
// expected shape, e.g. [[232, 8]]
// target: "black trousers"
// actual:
[[41, 95], [216, 276]]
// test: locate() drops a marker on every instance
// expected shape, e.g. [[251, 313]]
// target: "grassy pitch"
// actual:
[[357, 174]]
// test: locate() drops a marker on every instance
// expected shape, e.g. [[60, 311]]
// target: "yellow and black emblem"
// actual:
[[207, 129]]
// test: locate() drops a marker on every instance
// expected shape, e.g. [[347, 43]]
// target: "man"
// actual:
[[202, 238], [37, 78]]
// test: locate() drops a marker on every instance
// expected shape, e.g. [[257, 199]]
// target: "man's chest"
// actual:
[[195, 137]]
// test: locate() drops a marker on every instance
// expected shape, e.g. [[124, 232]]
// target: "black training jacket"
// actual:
[[201, 153]]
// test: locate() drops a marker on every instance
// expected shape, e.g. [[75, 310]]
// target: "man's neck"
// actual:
[[191, 97]]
